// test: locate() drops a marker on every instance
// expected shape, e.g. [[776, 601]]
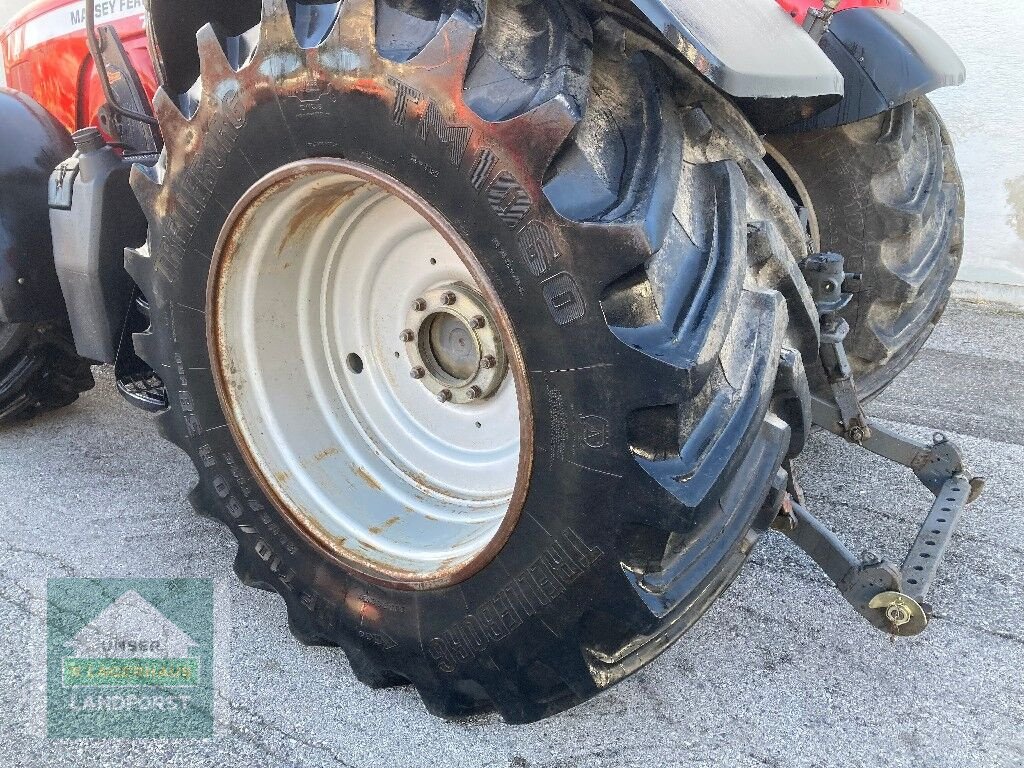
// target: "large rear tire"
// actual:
[[618, 224], [39, 370], [887, 194]]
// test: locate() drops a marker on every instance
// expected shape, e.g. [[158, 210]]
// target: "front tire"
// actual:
[[887, 194], [624, 223]]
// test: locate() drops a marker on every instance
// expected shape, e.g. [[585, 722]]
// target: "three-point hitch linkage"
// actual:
[[891, 597]]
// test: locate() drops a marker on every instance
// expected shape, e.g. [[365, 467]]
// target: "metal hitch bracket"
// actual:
[[892, 598]]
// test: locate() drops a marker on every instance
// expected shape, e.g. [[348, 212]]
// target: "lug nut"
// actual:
[[407, 336], [448, 298], [474, 392], [417, 373], [444, 395], [488, 362], [420, 305], [477, 322]]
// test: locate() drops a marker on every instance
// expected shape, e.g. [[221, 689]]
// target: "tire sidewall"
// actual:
[[552, 565]]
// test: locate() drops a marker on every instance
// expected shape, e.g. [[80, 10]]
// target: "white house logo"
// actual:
[[132, 659], [130, 643]]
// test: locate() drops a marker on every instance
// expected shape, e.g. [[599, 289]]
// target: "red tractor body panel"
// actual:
[[45, 55], [798, 8]]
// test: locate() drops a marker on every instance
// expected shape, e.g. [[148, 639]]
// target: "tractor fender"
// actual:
[[32, 143], [887, 59], [750, 49]]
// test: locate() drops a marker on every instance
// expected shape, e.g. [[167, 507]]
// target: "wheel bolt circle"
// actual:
[[418, 373], [407, 335], [444, 396]]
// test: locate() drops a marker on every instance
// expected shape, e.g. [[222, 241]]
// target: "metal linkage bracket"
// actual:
[[818, 19], [892, 598]]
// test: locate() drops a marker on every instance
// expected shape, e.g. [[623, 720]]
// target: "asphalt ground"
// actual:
[[780, 672]]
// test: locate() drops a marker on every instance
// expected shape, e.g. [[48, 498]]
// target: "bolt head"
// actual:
[[448, 298], [898, 614], [417, 373], [488, 362], [420, 305], [407, 336], [444, 396], [477, 322], [474, 393]]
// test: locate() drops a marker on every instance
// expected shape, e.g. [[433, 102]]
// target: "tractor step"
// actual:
[[144, 390], [136, 381]]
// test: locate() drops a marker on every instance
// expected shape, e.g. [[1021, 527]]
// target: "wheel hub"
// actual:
[[456, 350]]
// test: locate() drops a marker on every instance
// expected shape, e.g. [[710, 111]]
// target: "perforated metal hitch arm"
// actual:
[[892, 598]]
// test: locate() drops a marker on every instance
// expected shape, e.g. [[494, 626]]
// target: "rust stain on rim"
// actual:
[[326, 453], [303, 523], [367, 478], [385, 525]]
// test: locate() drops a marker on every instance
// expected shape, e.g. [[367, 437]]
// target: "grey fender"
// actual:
[[750, 49], [886, 59]]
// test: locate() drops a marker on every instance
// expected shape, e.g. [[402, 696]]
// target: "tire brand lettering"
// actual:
[[538, 248], [544, 580], [482, 167], [508, 199], [197, 185], [433, 123], [456, 137], [504, 194], [563, 297], [404, 96]]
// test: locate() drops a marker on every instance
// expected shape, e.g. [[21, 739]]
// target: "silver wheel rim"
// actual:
[[368, 373]]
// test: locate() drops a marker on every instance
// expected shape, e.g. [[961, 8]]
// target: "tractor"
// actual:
[[493, 328]]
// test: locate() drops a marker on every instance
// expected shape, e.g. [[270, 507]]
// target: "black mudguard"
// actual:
[[886, 59], [32, 143]]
